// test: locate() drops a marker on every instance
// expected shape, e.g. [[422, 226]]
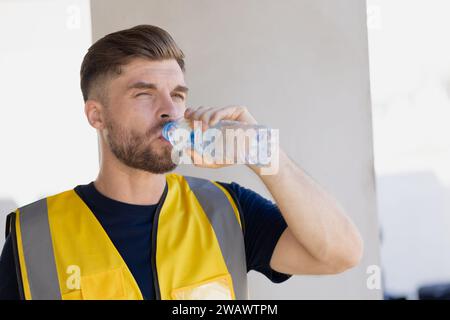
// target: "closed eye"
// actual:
[[142, 93]]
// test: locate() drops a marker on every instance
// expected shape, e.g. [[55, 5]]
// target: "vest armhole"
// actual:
[[11, 225], [238, 205]]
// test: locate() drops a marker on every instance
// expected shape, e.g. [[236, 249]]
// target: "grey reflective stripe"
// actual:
[[227, 229], [38, 251]]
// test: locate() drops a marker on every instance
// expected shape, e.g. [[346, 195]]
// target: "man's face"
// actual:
[[145, 96]]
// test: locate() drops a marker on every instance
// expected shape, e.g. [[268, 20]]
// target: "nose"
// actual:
[[169, 110]]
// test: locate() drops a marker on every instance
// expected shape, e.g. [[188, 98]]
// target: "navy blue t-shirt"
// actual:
[[129, 227]]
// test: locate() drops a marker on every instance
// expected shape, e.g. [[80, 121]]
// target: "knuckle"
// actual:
[[204, 117], [197, 112]]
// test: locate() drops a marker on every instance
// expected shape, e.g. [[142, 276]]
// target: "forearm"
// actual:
[[313, 216]]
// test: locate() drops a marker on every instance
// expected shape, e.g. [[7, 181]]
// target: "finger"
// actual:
[[196, 114], [225, 113], [206, 117], [202, 114], [187, 112], [199, 161], [196, 158]]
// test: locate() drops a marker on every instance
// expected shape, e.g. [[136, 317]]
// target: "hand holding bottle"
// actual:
[[230, 135]]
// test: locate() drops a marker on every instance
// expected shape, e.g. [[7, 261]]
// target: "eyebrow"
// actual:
[[146, 85]]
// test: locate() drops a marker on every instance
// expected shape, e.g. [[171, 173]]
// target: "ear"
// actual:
[[94, 113]]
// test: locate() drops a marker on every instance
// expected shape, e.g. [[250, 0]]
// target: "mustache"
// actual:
[[156, 130]]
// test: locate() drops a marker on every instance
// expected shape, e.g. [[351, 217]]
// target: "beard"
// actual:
[[139, 151]]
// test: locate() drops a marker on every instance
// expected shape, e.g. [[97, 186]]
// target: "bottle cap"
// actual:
[[166, 129]]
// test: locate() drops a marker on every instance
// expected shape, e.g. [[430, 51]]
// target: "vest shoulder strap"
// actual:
[[227, 228], [236, 201], [35, 250]]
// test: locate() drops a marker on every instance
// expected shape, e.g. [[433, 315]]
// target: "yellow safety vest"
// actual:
[[198, 252]]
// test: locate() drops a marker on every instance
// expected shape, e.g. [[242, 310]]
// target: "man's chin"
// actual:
[[159, 168], [155, 163], [163, 164]]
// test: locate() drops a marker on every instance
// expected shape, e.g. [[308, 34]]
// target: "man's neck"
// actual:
[[125, 184]]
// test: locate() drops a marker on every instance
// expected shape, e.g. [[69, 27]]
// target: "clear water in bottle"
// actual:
[[227, 142]]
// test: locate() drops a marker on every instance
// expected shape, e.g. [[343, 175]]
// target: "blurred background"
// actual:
[[360, 92], [46, 145], [410, 85]]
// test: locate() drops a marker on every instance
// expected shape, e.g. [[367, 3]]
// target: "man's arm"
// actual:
[[320, 238]]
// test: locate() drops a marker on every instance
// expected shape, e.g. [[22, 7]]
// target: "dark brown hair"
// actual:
[[105, 57]]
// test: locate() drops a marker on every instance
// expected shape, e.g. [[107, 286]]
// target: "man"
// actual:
[[139, 232]]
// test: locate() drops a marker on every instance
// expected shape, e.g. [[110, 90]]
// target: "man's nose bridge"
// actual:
[[167, 106]]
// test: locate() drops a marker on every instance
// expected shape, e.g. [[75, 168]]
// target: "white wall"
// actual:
[[300, 66], [46, 145]]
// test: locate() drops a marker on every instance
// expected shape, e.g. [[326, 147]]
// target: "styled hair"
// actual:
[[105, 57]]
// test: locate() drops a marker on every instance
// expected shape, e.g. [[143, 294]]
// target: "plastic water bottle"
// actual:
[[249, 144]]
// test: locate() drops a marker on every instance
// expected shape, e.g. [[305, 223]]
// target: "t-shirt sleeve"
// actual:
[[263, 225], [9, 289]]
